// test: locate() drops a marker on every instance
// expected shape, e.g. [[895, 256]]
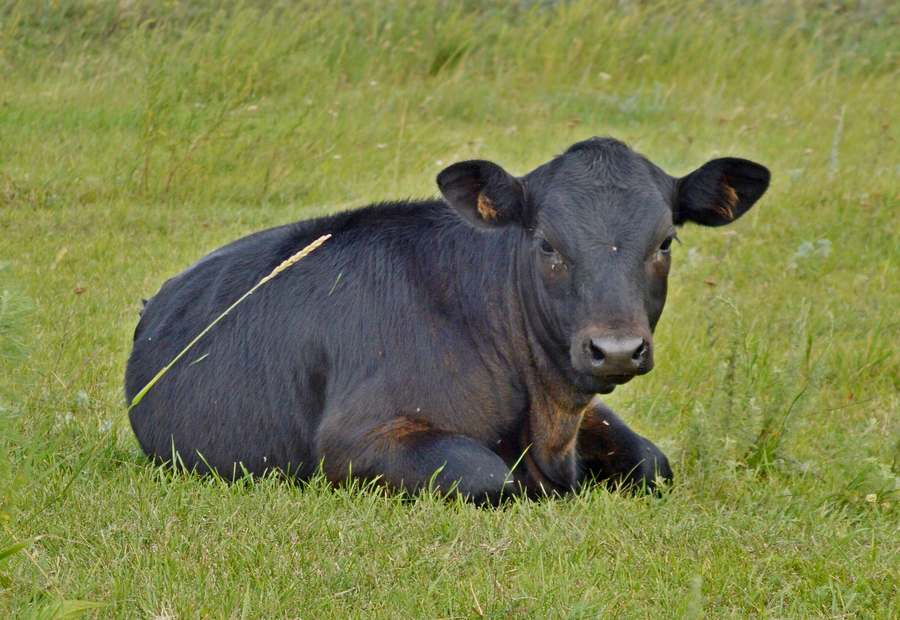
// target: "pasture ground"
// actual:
[[137, 136]]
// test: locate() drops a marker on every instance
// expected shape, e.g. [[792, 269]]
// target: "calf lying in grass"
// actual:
[[457, 343]]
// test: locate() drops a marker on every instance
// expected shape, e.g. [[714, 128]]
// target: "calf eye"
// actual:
[[666, 245], [550, 256]]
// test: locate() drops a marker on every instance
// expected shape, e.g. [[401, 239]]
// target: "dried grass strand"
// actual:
[[140, 395], [284, 265]]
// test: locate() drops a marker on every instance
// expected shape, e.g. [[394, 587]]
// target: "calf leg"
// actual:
[[609, 451], [409, 454]]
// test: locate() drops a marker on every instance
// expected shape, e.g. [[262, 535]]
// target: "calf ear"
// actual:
[[485, 194], [719, 192]]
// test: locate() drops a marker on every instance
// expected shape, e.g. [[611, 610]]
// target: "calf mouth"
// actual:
[[619, 379], [605, 384]]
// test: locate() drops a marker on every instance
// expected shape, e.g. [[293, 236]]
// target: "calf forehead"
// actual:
[[601, 186], [602, 162], [605, 162]]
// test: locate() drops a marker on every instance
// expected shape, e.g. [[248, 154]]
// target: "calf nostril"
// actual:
[[640, 352], [596, 351]]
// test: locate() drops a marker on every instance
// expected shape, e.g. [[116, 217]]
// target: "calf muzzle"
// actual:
[[615, 356]]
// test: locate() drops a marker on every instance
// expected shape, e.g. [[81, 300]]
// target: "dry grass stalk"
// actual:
[[140, 395]]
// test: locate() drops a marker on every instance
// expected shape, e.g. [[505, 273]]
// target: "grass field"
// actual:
[[137, 136]]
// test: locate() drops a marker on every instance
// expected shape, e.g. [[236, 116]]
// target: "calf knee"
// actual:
[[463, 467]]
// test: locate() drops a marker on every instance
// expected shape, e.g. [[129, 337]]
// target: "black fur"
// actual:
[[413, 342]]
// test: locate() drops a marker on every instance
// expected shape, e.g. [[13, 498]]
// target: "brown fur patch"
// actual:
[[400, 430], [551, 433], [731, 200], [536, 458], [486, 208], [557, 432]]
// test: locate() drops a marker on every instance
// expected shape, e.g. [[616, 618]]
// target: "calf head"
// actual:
[[597, 225]]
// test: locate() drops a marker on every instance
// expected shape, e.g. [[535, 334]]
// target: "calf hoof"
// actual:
[[652, 473], [646, 470]]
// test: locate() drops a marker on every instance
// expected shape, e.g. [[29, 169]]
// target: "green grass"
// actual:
[[135, 137]]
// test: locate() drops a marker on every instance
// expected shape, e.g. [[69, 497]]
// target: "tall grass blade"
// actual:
[[14, 549], [65, 610]]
